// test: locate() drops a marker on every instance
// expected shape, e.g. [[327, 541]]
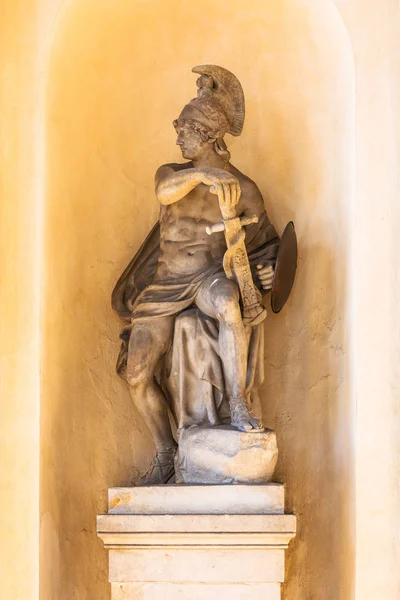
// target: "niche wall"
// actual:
[[118, 74]]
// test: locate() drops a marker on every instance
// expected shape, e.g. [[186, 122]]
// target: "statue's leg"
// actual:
[[148, 342], [219, 298]]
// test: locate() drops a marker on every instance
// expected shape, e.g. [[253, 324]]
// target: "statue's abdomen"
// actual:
[[185, 246]]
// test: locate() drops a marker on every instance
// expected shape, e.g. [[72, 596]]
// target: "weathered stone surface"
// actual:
[[157, 552], [222, 455], [188, 591], [197, 500], [196, 531], [131, 524], [195, 564]]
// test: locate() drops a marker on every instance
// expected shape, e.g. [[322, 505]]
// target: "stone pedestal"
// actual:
[[194, 542]]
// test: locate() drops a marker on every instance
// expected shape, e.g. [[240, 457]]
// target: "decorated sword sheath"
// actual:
[[236, 266]]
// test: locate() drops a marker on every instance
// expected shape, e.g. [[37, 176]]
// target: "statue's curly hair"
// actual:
[[206, 134]]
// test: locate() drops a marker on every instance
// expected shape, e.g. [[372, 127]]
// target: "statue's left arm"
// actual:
[[262, 240]]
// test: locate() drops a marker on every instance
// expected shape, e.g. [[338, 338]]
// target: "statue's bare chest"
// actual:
[[187, 219]]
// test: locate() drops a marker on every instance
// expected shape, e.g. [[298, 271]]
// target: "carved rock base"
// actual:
[[236, 553], [221, 455]]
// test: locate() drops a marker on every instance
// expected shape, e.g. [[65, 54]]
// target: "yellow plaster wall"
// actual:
[[374, 30], [19, 306], [106, 59], [119, 74]]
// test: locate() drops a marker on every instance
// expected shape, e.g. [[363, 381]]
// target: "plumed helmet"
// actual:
[[219, 104]]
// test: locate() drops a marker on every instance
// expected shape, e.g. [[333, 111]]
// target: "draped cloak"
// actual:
[[190, 373]]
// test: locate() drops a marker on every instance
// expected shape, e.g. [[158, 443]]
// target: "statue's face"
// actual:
[[190, 141]]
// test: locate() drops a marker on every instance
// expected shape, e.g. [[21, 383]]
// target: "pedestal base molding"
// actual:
[[231, 554]]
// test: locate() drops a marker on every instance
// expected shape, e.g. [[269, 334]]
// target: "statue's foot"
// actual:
[[242, 417], [162, 468]]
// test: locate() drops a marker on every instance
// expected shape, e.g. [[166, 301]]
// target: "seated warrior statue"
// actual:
[[179, 269]]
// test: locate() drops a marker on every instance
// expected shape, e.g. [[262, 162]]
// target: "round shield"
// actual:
[[285, 268]]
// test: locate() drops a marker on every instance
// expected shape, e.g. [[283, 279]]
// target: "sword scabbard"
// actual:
[[237, 266]]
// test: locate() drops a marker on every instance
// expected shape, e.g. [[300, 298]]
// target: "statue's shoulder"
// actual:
[[247, 185], [169, 168]]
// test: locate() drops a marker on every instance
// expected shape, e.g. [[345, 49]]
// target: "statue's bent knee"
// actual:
[[225, 299], [137, 374]]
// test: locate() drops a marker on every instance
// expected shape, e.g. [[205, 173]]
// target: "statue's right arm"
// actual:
[[172, 186]]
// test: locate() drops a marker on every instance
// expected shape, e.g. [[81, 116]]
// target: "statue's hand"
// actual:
[[266, 276], [226, 186]]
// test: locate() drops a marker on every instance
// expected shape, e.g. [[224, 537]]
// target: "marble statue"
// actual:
[[193, 294]]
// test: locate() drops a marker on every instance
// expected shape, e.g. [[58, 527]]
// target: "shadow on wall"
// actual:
[[306, 401], [118, 75], [306, 393]]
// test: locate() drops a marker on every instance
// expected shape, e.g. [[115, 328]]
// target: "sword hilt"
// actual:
[[244, 221]]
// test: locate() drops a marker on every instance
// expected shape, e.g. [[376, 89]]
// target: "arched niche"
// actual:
[[118, 74]]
